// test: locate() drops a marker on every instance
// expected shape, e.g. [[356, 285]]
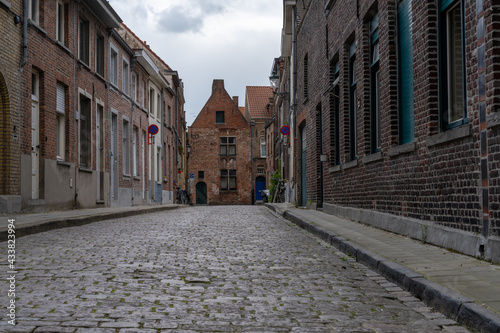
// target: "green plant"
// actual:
[[274, 182]]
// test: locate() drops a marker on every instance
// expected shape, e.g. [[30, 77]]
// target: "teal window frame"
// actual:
[[445, 79], [335, 108], [352, 102], [406, 111], [376, 135]]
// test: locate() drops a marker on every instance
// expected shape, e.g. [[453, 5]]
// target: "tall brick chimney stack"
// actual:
[[235, 100], [217, 86]]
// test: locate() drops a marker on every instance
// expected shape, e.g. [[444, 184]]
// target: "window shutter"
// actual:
[[405, 59], [60, 99]]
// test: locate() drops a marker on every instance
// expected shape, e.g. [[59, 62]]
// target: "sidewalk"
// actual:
[[464, 288], [27, 224]]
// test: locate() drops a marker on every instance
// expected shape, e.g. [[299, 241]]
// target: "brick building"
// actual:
[[81, 137], [397, 118], [12, 65], [258, 114], [219, 158]]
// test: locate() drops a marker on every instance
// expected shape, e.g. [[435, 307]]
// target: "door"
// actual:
[[143, 169], [100, 153], [158, 190], [320, 147], [35, 148], [260, 184], [201, 193], [303, 170], [114, 157]]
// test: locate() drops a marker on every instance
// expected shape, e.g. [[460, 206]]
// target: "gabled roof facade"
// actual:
[[257, 99]]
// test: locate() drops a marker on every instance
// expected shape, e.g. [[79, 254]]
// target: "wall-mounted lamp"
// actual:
[[274, 79]]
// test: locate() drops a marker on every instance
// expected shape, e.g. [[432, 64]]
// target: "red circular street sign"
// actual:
[[285, 130], [153, 129]]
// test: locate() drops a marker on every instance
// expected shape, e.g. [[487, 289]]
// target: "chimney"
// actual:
[[218, 85], [235, 100]]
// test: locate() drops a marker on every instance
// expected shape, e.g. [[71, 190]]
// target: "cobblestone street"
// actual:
[[201, 269]]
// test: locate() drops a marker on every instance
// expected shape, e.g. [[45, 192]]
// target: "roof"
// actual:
[[257, 100], [242, 109], [146, 46]]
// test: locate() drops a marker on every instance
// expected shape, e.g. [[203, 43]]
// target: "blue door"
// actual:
[[260, 184], [158, 193]]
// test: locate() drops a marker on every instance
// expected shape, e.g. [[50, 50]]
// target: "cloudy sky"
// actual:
[[234, 40]]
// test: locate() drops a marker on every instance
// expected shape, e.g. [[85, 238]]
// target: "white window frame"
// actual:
[[262, 146], [60, 22], [34, 11], [61, 121], [125, 76], [126, 146], [135, 153], [113, 65], [134, 87]]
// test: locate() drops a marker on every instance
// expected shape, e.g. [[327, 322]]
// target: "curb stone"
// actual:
[[454, 305], [59, 223]]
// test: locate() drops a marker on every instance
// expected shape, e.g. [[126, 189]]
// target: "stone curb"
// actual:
[[59, 223], [454, 305]]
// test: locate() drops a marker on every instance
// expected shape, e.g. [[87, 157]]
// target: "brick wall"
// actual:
[[204, 138], [437, 177]]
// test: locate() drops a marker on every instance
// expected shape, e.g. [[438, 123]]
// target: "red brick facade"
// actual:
[[446, 174], [220, 119]]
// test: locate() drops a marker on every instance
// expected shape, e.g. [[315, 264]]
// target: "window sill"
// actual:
[[63, 163], [126, 176], [449, 136], [37, 27], [402, 149], [85, 169], [100, 77], [63, 47], [5, 4], [84, 65], [493, 120], [349, 165], [373, 158], [139, 178], [335, 169]]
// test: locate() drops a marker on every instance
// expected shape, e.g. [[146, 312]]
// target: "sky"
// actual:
[[233, 40]]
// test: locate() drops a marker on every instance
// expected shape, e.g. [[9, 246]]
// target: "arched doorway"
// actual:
[[260, 184], [4, 136], [201, 193]]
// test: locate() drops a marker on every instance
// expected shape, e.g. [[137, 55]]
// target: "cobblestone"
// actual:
[[202, 269]]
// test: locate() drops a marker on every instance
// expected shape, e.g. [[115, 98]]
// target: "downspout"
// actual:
[[24, 58], [162, 133], [131, 160], [76, 99], [293, 94], [251, 158]]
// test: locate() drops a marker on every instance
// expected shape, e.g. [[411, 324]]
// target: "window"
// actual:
[[135, 151], [113, 67], [134, 87], [306, 77], [353, 98], [60, 22], [228, 146], [83, 40], [335, 108], [376, 136], [405, 73], [158, 105], [125, 76], [260, 171], [99, 55], [85, 132], [452, 64], [219, 117], [201, 174], [262, 147], [144, 93], [126, 148], [61, 120], [34, 10], [227, 180]]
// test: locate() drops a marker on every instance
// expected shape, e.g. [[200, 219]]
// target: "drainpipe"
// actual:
[[252, 124], [294, 93], [24, 58], [76, 99]]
